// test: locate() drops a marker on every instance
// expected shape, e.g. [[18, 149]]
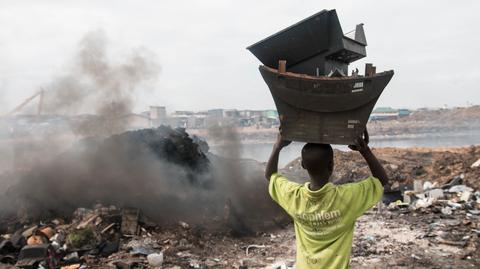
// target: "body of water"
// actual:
[[261, 152]]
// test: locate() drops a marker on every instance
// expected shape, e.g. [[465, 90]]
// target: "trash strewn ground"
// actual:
[[393, 238], [430, 218]]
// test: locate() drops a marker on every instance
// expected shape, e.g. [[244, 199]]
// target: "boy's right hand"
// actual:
[[361, 143], [281, 143]]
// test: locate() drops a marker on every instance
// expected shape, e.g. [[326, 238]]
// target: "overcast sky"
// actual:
[[433, 46]]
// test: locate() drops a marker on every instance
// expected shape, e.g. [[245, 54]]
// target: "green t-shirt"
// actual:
[[324, 219]]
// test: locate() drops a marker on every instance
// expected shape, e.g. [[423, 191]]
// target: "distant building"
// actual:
[[388, 113], [197, 121], [403, 112], [183, 113], [230, 113], [158, 115], [259, 118], [179, 119], [154, 117], [271, 113], [222, 116], [136, 121]]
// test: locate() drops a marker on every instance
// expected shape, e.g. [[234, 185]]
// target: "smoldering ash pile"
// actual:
[[161, 171], [61, 202], [164, 172]]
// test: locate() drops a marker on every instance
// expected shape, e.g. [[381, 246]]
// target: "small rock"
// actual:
[[184, 225], [155, 259], [447, 211]]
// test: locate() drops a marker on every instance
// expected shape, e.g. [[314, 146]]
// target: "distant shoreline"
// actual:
[[267, 136]]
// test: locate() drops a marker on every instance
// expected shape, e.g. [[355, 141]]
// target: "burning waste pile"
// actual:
[[136, 198], [122, 197]]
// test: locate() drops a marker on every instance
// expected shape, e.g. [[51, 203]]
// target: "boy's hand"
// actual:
[[361, 143], [272, 164], [281, 143]]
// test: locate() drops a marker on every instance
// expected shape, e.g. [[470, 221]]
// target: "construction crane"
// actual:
[[27, 101]]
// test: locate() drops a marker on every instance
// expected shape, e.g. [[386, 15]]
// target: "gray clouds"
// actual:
[[201, 46]]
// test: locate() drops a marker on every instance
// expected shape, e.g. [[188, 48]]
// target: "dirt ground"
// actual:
[[382, 239], [443, 234]]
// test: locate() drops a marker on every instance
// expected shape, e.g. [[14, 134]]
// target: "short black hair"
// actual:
[[317, 157]]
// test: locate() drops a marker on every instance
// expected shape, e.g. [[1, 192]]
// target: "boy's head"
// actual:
[[317, 159]]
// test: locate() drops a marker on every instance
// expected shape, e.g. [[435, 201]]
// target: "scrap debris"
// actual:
[[432, 223], [435, 226], [45, 227], [431, 217], [93, 236]]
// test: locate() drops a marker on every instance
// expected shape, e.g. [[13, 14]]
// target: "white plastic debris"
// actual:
[[476, 164], [474, 212], [477, 196], [447, 211], [423, 203], [465, 197], [184, 225], [194, 264], [417, 185], [71, 256], [393, 166], [279, 265], [406, 198], [454, 205], [460, 188], [370, 238], [253, 246], [427, 185], [155, 259], [435, 193], [422, 195]]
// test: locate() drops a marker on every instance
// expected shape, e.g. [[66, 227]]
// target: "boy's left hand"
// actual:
[[361, 143]]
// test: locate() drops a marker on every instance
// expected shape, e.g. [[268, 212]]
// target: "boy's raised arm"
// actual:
[[376, 168], [272, 164]]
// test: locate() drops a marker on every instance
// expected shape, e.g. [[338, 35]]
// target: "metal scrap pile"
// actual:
[[110, 237], [91, 235]]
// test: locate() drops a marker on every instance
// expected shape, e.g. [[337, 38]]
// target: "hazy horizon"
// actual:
[[171, 111]]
